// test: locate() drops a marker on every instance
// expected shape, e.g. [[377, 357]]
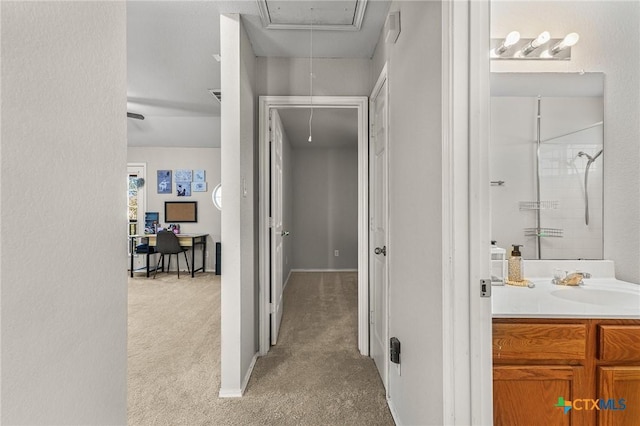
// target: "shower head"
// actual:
[[584, 154], [590, 158]]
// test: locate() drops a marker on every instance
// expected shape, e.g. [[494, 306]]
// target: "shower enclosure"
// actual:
[[546, 148]]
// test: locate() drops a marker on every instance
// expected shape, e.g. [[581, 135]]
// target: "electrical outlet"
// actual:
[[336, 253], [206, 254]]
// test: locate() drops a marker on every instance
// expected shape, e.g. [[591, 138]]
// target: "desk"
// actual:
[[186, 240]]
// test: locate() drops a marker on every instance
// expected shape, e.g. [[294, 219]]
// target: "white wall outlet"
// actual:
[[336, 253], [206, 254]]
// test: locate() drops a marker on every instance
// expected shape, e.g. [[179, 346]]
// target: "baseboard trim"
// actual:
[[324, 270], [394, 413], [237, 393], [230, 393]]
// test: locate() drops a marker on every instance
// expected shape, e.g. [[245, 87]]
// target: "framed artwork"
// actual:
[[199, 175], [183, 175], [198, 186], [183, 189], [164, 181], [181, 211]]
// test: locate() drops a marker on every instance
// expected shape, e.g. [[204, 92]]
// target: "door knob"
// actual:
[[284, 233], [382, 250]]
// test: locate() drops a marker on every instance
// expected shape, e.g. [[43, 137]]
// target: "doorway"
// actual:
[[266, 105]]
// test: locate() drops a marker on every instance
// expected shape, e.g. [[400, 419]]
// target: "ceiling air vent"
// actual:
[[216, 94]]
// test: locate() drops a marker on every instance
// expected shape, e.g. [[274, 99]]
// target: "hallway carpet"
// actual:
[[313, 376]]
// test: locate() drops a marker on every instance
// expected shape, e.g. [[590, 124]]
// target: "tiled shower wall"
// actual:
[[562, 174]]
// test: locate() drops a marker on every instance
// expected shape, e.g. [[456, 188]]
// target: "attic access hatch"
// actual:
[[327, 15]]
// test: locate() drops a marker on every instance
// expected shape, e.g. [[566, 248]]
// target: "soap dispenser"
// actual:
[[515, 264]]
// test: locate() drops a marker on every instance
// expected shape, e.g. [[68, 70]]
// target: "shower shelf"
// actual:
[[543, 232], [539, 205]]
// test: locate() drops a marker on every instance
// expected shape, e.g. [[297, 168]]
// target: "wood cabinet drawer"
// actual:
[[539, 341], [619, 342]]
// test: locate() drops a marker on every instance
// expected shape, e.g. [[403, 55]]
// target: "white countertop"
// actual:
[[596, 298]]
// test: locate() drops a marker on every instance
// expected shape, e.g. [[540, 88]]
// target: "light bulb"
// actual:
[[310, 139], [542, 38], [512, 38], [569, 40]]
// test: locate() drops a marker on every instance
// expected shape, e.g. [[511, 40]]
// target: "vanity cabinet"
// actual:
[[616, 383], [538, 361]]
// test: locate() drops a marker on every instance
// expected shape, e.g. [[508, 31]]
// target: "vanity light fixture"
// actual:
[[569, 40], [542, 47], [542, 38], [512, 38]]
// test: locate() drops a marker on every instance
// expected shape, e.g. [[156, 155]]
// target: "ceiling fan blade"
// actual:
[[134, 115]]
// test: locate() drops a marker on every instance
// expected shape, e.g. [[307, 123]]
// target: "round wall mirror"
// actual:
[[216, 196]]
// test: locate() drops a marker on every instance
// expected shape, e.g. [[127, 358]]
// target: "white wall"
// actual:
[[609, 43], [333, 77], [157, 158], [64, 314], [239, 292], [415, 212], [325, 208]]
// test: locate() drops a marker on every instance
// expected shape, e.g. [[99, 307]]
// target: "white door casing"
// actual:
[[378, 220], [266, 105], [467, 361], [277, 233]]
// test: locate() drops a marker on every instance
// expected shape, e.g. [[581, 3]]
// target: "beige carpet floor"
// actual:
[[313, 376]]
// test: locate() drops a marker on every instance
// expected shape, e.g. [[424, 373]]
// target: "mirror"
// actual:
[[546, 164]]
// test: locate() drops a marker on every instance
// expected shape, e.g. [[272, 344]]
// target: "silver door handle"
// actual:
[[284, 233], [382, 250]]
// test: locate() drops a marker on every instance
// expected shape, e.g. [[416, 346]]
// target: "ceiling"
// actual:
[[170, 53]]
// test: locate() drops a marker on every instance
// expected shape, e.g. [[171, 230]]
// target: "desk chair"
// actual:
[[167, 243]]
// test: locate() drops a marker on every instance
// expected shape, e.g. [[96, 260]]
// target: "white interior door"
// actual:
[[378, 210], [277, 233]]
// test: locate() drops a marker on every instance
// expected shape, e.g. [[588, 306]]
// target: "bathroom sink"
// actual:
[[599, 296]]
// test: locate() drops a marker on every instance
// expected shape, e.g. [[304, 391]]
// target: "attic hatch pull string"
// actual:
[[311, 76]]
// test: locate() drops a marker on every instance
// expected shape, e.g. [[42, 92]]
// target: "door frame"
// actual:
[[266, 104], [467, 361]]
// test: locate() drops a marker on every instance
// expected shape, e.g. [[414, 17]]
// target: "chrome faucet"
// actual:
[[570, 279]]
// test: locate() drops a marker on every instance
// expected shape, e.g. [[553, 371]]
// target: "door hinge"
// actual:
[[371, 317], [485, 288], [272, 308], [270, 222]]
